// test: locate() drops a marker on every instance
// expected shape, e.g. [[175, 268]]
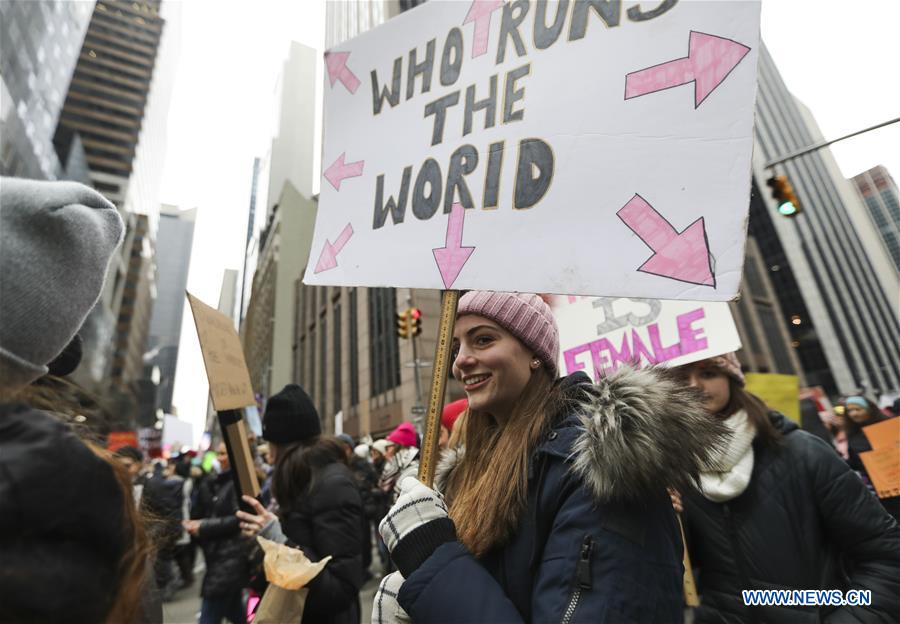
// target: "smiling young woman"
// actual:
[[778, 509], [556, 510]]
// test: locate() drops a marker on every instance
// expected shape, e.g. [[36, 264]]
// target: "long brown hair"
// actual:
[[297, 465], [133, 567], [757, 412], [487, 491], [65, 400]]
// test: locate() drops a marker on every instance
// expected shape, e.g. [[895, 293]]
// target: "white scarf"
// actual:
[[730, 469]]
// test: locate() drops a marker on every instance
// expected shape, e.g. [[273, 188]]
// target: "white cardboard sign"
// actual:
[[564, 147], [600, 334]]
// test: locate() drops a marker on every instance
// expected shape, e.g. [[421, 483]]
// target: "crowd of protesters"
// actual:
[[557, 498]]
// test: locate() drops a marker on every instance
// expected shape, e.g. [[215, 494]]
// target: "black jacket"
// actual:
[[224, 549], [327, 522], [62, 527], [805, 521], [580, 552]]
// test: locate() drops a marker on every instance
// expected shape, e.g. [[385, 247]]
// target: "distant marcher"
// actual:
[[778, 509], [185, 546], [132, 459], [401, 459], [319, 506], [164, 500], [366, 481], [860, 412], [225, 551], [452, 411]]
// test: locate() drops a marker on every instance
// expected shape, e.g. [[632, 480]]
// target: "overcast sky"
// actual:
[[840, 62]]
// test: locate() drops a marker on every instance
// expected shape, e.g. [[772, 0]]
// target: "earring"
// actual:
[[535, 364]]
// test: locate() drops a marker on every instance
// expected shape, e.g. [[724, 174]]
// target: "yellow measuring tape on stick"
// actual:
[[428, 456]]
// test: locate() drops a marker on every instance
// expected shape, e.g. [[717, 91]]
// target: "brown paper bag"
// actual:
[[288, 572], [279, 606]]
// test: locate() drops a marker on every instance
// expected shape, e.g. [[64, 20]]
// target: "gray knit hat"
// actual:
[[56, 241]]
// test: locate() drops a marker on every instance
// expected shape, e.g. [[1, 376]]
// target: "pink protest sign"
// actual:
[[600, 334], [575, 148]]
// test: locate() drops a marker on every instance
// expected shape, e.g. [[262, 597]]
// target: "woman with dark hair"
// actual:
[[72, 545], [860, 412], [778, 509], [320, 510], [556, 510]]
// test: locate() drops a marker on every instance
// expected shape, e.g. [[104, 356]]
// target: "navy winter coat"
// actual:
[[805, 521], [581, 552]]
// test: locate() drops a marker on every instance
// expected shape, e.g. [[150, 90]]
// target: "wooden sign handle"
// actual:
[[243, 470], [428, 454], [691, 598]]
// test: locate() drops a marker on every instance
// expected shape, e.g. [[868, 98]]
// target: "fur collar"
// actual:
[[634, 431], [642, 429]]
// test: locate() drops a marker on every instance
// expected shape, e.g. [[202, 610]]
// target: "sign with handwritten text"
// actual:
[[593, 148], [600, 334], [229, 381]]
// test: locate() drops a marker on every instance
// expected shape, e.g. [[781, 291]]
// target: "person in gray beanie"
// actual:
[[56, 242], [74, 548]]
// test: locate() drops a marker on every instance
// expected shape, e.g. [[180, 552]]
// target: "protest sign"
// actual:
[[600, 334], [884, 435], [883, 468], [779, 392], [229, 388], [117, 439], [560, 147], [229, 381]]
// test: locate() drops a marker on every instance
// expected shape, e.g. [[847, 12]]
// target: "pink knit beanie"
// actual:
[[728, 363], [404, 435], [525, 316]]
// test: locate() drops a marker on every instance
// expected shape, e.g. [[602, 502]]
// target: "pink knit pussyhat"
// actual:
[[525, 316], [404, 435], [728, 363]]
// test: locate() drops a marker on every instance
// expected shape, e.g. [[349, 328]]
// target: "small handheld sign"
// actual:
[[229, 389]]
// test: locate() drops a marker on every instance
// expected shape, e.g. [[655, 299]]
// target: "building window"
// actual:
[[336, 359], [384, 355], [354, 353]]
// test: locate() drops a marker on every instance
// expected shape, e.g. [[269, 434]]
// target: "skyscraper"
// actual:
[[880, 193], [833, 278], [112, 131], [173, 254], [39, 46], [109, 90]]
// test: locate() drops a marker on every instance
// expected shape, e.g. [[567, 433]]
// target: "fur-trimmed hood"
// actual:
[[627, 435]]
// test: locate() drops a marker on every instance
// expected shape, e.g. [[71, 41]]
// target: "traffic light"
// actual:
[[403, 324], [415, 316], [784, 196]]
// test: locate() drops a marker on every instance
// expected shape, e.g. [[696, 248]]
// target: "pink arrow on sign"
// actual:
[[339, 171], [452, 256], [683, 256], [328, 257], [709, 61], [336, 62], [480, 12]]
